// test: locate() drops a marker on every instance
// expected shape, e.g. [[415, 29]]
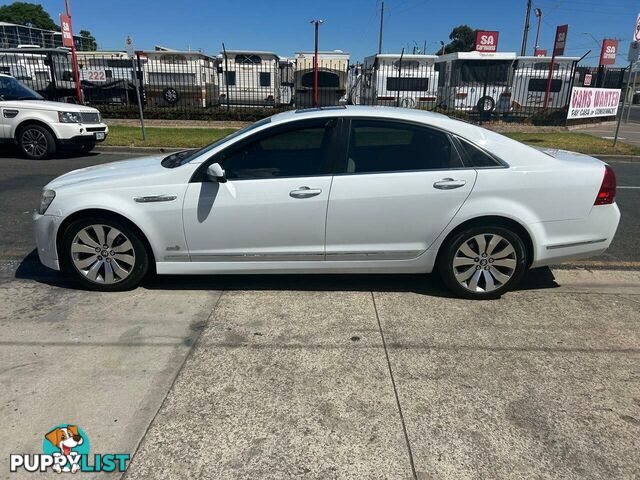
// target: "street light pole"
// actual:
[[381, 23], [538, 13], [316, 24]]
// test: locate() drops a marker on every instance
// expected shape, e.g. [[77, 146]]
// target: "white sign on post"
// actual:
[[593, 102]]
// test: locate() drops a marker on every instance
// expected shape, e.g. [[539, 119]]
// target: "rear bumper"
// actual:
[[46, 230], [575, 239]]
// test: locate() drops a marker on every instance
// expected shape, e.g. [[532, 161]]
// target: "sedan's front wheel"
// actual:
[[483, 262], [104, 254]]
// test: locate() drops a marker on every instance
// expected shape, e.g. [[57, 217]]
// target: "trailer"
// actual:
[[174, 78], [250, 78], [398, 80], [332, 78], [530, 78], [475, 81]]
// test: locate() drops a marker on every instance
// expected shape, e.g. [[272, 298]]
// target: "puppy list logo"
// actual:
[[65, 449]]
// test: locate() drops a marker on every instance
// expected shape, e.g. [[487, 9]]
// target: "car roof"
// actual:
[[501, 146]]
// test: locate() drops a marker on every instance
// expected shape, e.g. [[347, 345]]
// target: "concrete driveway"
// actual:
[[330, 377]]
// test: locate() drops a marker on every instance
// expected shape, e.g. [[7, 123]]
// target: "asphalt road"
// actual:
[[21, 182]]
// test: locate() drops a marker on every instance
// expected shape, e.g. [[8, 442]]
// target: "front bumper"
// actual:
[[69, 134], [46, 231]]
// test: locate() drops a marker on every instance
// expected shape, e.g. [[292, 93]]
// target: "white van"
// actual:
[[249, 77], [475, 81], [398, 80], [530, 77]]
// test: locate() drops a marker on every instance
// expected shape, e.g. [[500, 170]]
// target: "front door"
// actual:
[[402, 185], [274, 203]]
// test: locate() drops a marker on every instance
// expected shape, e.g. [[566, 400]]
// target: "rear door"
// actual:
[[401, 184]]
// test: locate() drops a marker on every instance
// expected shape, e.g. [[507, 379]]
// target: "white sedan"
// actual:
[[333, 190]]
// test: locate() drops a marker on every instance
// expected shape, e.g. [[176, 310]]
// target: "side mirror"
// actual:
[[215, 173]]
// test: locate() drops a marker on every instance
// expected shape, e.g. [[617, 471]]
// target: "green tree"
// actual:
[[90, 41], [462, 38], [24, 13]]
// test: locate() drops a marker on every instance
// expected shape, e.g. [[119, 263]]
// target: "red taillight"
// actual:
[[506, 94], [426, 99], [607, 193], [461, 95], [386, 98]]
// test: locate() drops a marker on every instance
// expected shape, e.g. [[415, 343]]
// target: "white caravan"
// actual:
[[332, 78], [530, 77], [475, 81], [174, 78], [249, 77], [398, 80]]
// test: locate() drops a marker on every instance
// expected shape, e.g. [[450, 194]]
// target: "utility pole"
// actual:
[[525, 33], [316, 24], [381, 24]]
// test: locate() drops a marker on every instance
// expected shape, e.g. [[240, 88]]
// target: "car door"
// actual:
[[401, 185], [273, 205]]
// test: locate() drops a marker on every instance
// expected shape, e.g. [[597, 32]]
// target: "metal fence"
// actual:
[[241, 85]]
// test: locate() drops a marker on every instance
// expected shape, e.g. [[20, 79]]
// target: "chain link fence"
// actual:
[[249, 85]]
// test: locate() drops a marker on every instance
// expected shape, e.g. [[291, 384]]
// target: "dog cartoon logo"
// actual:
[[68, 441]]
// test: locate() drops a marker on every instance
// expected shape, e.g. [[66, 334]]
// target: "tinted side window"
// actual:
[[477, 157], [299, 152], [383, 146], [265, 79]]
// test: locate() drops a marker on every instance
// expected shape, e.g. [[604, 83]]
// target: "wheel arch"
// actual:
[[495, 221], [100, 212], [33, 121]]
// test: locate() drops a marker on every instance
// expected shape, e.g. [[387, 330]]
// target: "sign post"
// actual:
[[558, 50], [134, 79], [67, 41], [632, 56]]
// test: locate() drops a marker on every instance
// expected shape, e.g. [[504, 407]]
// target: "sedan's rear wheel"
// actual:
[[483, 262], [104, 254]]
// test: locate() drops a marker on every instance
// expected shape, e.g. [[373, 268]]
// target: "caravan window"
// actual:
[[406, 64], [545, 66], [168, 78], [265, 79], [230, 77], [245, 59], [407, 84], [540, 85], [325, 80], [480, 71]]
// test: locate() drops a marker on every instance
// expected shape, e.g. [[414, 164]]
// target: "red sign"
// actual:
[[608, 52], [540, 53], [561, 40], [67, 32], [486, 41]]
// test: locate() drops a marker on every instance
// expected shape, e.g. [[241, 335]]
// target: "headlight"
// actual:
[[45, 200], [69, 117]]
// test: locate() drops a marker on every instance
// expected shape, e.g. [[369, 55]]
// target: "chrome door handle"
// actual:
[[305, 192], [449, 184]]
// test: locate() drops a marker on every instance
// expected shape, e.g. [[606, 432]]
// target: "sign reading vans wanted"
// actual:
[[593, 102], [486, 41], [608, 52], [561, 40]]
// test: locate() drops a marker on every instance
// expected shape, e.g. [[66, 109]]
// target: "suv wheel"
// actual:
[[36, 142], [482, 262], [104, 254]]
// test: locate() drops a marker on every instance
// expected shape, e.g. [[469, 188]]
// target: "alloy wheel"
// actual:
[[103, 254], [34, 142], [484, 263]]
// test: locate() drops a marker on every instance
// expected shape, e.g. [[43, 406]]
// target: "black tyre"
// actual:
[[36, 142], [486, 105], [104, 254], [171, 95], [87, 147], [482, 262]]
